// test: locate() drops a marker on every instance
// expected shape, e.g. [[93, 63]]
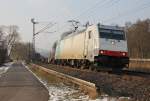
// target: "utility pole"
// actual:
[[29, 52], [38, 32], [33, 39]]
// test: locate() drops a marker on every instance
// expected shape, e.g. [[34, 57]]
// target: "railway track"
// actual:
[[105, 70], [124, 72], [115, 71], [135, 73]]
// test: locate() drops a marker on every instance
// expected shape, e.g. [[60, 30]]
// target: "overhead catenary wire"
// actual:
[[88, 10], [108, 5], [131, 11], [76, 17], [92, 7], [46, 27]]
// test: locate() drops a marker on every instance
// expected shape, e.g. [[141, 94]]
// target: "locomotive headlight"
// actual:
[[101, 52], [112, 42], [123, 54]]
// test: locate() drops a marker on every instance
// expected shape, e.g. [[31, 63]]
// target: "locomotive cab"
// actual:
[[113, 49]]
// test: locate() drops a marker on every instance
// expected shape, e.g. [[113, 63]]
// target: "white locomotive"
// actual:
[[95, 45]]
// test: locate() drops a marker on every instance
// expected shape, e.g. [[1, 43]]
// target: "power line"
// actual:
[[82, 13], [103, 3], [46, 27], [110, 4], [132, 11], [91, 8], [87, 10]]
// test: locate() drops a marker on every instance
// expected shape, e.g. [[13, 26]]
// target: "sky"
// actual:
[[58, 12]]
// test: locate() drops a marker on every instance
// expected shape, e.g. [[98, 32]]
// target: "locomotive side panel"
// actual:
[[77, 48], [71, 47], [65, 50], [83, 45]]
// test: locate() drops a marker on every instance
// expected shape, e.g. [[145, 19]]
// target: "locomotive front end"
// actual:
[[113, 49]]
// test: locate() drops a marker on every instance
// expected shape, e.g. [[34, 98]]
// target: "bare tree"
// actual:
[[10, 35], [21, 51], [1, 34], [12, 38], [138, 36]]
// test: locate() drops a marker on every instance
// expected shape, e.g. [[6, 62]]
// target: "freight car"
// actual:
[[99, 45]]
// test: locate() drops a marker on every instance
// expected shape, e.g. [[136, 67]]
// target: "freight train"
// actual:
[[100, 45]]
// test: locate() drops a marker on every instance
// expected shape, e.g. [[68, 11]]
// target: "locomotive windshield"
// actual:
[[112, 34]]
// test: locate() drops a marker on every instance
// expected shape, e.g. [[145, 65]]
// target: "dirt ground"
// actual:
[[115, 85]]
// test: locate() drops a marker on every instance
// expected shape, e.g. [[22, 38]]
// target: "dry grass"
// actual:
[[51, 79], [140, 66], [54, 79]]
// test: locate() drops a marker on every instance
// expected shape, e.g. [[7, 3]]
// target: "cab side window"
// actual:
[[90, 34]]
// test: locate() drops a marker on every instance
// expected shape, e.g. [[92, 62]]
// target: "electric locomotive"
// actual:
[[100, 45]]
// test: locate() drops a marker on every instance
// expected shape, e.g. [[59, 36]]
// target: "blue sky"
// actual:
[[19, 12]]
